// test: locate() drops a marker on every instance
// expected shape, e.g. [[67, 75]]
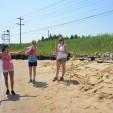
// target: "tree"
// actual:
[[76, 36], [66, 37], [50, 37], [42, 38], [54, 37], [71, 37], [60, 35], [83, 36]]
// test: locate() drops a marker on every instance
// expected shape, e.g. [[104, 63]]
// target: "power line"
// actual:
[[61, 10], [55, 14], [68, 17], [82, 19], [88, 17], [8, 22], [68, 11], [36, 11], [58, 12], [44, 8]]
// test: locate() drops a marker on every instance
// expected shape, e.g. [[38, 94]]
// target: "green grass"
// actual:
[[87, 45]]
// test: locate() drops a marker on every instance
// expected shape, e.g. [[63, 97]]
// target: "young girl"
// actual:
[[61, 58], [8, 67], [32, 52]]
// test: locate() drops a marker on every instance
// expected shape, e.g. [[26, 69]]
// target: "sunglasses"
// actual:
[[60, 40], [33, 43]]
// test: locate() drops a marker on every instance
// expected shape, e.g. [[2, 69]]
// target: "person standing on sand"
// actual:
[[61, 58], [32, 52], [8, 67]]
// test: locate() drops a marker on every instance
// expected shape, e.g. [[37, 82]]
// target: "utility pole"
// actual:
[[20, 26], [48, 34]]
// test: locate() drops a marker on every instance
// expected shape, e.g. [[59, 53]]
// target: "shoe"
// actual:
[[61, 79], [30, 81], [13, 93], [34, 81], [7, 92], [55, 79]]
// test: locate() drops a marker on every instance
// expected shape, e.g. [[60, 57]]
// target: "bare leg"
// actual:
[[63, 68], [58, 68], [6, 79], [11, 73], [30, 72], [34, 72]]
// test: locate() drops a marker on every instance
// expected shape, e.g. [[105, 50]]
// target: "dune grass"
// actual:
[[85, 45]]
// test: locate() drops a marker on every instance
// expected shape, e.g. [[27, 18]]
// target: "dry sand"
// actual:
[[90, 89]]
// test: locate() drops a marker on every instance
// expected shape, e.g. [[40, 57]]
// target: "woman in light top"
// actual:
[[32, 52], [8, 67], [61, 58]]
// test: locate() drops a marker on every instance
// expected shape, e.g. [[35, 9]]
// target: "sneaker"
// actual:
[[7, 92], [34, 81], [12, 92], [30, 81], [55, 79], [61, 79]]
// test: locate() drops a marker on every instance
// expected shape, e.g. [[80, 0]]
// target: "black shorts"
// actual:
[[32, 64]]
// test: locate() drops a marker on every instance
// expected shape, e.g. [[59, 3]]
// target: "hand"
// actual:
[[24, 49], [55, 49]]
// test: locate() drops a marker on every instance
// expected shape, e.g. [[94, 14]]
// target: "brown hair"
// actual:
[[61, 39], [4, 47], [33, 42]]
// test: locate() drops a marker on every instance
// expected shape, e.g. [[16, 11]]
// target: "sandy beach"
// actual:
[[88, 88]]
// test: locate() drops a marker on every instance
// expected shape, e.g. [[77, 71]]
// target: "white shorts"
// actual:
[[8, 70]]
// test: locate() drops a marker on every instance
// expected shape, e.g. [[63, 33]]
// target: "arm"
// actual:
[[36, 52], [57, 48], [0, 55], [16, 53], [66, 50]]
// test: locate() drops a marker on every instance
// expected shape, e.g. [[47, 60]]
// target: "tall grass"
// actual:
[[87, 45]]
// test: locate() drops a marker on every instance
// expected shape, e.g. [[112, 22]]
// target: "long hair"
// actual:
[[4, 47]]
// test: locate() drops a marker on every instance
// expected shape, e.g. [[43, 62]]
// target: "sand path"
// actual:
[[90, 89]]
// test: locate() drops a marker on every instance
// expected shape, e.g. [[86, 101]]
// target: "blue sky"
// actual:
[[40, 14]]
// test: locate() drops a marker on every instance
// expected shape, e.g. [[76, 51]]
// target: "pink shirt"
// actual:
[[7, 62]]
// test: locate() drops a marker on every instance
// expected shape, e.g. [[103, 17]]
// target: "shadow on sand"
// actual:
[[15, 97], [69, 82], [40, 84]]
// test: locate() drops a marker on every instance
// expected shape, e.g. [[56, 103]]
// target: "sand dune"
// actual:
[[88, 88]]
